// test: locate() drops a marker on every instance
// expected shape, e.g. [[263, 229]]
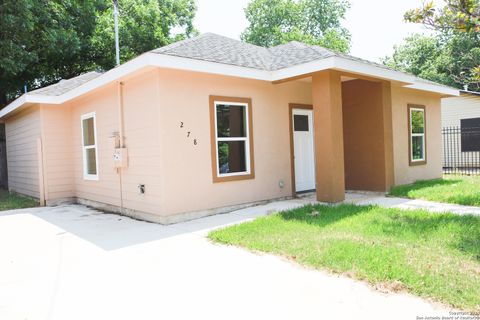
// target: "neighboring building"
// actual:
[[461, 130], [464, 106], [210, 123]]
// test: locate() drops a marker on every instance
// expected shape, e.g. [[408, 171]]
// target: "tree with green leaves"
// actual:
[[15, 23], [451, 60], [452, 55], [143, 25], [318, 22], [43, 41], [419, 55], [455, 15]]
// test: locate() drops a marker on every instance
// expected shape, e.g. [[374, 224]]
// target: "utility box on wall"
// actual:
[[120, 158]]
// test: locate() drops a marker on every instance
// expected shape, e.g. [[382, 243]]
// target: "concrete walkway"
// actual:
[[72, 262], [392, 202]]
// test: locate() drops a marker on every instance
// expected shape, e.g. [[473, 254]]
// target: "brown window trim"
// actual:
[[213, 141], [410, 162]]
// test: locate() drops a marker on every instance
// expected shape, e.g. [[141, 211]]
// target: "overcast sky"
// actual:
[[375, 25]]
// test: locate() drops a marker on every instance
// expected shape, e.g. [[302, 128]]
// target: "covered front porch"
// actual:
[[351, 140]]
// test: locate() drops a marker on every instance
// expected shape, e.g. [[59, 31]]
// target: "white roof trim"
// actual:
[[180, 63], [306, 68], [173, 62], [17, 103], [425, 86], [365, 68]]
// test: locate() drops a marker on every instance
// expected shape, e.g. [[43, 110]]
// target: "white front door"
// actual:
[[302, 120]]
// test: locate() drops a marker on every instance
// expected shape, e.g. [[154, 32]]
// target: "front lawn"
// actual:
[[10, 201], [451, 189], [430, 255]]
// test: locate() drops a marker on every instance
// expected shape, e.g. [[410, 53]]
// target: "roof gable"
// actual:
[[215, 48]]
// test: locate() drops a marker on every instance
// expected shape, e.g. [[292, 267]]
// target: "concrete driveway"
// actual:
[[71, 262]]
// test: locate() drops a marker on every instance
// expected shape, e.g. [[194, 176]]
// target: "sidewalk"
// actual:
[[393, 202]]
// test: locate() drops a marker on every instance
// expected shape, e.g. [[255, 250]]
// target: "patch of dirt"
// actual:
[[391, 287]]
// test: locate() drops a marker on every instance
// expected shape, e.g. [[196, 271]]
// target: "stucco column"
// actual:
[[328, 128], [388, 134]]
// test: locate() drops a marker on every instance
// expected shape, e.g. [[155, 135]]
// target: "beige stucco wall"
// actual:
[[367, 137], [404, 173], [22, 132], [187, 172]]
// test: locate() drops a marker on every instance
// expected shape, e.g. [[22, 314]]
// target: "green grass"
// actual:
[[451, 189], [428, 254], [10, 201]]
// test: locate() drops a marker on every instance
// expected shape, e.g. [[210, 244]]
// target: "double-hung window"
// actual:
[[231, 130], [89, 147], [417, 142]]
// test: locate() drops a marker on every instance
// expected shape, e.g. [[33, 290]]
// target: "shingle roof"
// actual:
[[64, 86], [215, 48], [294, 53]]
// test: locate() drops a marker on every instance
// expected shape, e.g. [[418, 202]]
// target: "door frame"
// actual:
[[292, 106]]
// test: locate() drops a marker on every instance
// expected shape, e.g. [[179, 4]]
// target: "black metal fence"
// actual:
[[461, 150]]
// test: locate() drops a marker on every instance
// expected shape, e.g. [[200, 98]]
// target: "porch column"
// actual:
[[388, 134], [328, 128]]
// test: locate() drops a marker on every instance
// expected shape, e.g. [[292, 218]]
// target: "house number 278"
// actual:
[[195, 141]]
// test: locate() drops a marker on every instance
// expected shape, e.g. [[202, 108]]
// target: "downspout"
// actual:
[[121, 137], [120, 114]]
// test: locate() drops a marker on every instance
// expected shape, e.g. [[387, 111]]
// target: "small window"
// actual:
[[231, 139], [417, 143], [89, 145], [300, 122], [470, 129]]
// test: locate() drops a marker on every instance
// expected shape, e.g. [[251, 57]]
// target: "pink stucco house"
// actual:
[[211, 123]]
